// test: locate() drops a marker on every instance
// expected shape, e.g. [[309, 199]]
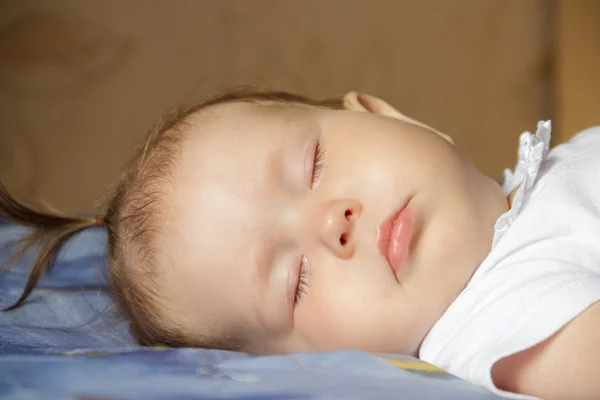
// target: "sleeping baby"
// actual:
[[268, 222]]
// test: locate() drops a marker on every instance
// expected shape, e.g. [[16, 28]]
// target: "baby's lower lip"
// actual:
[[394, 238]]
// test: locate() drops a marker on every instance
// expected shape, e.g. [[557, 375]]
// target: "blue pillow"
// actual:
[[71, 307]]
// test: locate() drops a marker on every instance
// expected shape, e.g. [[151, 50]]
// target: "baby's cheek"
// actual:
[[317, 318], [335, 319]]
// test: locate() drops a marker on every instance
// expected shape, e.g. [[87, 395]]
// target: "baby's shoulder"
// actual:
[[568, 181], [587, 136], [556, 209], [579, 154]]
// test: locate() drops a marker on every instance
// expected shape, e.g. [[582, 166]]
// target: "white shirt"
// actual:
[[544, 266]]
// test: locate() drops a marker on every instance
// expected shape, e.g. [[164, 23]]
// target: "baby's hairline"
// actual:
[[218, 109]]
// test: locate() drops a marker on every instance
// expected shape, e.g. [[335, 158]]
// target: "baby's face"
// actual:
[[292, 255]]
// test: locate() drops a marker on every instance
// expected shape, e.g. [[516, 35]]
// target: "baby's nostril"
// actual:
[[344, 239], [348, 214]]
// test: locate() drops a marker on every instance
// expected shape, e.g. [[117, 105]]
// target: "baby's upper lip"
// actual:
[[383, 235], [385, 232]]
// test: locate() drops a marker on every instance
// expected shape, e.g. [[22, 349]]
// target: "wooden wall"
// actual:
[[577, 66], [80, 82]]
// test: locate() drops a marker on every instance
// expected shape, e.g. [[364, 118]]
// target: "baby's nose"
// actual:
[[337, 229]]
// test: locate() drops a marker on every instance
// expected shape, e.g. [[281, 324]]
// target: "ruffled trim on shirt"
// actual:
[[532, 151]]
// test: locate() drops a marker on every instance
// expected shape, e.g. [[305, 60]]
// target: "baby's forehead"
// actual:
[[240, 120]]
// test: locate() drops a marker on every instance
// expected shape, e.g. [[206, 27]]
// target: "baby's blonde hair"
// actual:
[[133, 221]]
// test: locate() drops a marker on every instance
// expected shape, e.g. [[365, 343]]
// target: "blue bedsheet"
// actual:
[[69, 342]]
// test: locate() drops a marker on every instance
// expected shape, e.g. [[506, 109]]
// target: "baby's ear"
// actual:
[[354, 101]]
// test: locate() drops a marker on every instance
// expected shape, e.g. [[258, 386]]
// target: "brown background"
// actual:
[[80, 82]]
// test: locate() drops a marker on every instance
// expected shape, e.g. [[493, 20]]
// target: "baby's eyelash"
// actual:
[[318, 165], [302, 282]]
